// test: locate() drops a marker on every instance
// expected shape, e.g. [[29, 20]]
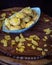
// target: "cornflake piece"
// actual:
[[4, 42], [17, 49], [45, 45], [17, 39], [23, 46], [27, 10], [14, 27], [32, 36], [21, 36], [36, 37], [3, 14], [7, 37], [29, 24], [35, 17], [23, 24], [46, 50], [51, 36], [29, 44], [43, 53], [27, 19], [7, 23], [13, 42], [21, 50], [34, 43], [47, 30], [2, 18], [20, 15], [46, 20], [20, 44], [22, 39], [29, 39], [39, 49], [45, 38], [33, 47], [14, 21]]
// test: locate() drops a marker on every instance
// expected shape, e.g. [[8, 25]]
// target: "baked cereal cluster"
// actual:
[[22, 19]]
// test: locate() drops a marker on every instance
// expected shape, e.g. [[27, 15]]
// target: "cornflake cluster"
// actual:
[[19, 41]]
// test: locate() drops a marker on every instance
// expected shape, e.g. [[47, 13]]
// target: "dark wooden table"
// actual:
[[4, 60]]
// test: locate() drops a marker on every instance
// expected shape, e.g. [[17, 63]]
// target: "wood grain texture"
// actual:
[[23, 62], [13, 61]]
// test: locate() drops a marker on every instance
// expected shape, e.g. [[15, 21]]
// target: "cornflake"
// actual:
[[29, 44], [46, 20], [43, 53], [7, 37], [22, 39], [20, 44], [32, 36], [47, 30], [45, 45], [34, 42], [17, 39], [4, 42], [35, 37], [29, 39], [46, 50], [39, 49], [21, 50], [16, 49], [33, 47], [29, 24], [45, 38], [13, 42], [21, 47], [2, 19], [3, 14]]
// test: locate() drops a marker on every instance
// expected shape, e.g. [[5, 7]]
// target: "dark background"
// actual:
[[45, 5]]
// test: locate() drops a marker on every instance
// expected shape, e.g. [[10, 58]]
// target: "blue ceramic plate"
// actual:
[[38, 11]]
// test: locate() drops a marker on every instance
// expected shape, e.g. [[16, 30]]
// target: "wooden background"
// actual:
[[4, 60]]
